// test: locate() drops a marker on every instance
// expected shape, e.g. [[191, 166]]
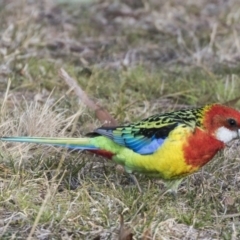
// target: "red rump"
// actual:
[[103, 153], [201, 148]]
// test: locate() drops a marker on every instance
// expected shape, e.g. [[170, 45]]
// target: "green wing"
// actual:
[[147, 135]]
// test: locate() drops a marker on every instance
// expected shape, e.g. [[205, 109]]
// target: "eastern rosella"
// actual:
[[170, 146]]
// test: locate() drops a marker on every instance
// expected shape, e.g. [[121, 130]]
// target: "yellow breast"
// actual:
[[168, 161]]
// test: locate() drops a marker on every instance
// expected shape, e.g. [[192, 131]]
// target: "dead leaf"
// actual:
[[124, 233], [97, 237], [229, 201], [147, 235]]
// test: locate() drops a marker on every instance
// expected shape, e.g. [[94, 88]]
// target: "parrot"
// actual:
[[169, 146]]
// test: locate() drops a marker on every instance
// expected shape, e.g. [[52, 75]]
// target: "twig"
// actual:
[[101, 113]]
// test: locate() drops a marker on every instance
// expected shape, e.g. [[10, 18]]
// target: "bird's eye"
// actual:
[[232, 122]]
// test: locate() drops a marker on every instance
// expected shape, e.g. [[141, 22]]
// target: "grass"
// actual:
[[136, 58]]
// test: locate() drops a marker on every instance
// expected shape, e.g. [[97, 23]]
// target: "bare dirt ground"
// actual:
[[136, 58]]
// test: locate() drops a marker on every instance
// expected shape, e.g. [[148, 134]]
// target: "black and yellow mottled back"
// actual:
[[147, 135]]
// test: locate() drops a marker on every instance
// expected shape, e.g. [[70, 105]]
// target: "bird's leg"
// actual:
[[172, 186], [133, 177]]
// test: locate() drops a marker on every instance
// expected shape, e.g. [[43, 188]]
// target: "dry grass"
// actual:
[[136, 58]]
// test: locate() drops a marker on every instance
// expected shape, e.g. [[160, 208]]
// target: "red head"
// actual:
[[222, 122]]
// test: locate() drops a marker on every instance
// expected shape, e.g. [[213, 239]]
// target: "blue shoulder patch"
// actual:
[[151, 147]]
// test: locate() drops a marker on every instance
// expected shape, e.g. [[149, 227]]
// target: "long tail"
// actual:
[[72, 143]]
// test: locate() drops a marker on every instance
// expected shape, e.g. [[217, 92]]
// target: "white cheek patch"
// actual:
[[225, 135]]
